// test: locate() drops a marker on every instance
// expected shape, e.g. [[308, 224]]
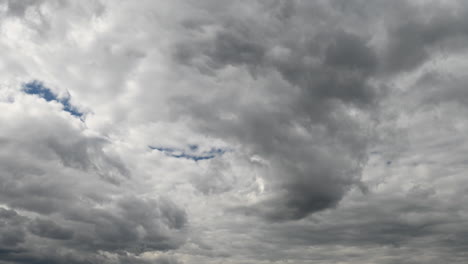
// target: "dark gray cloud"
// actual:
[[136, 226], [330, 69], [326, 72], [18, 8], [49, 229], [12, 231], [432, 30]]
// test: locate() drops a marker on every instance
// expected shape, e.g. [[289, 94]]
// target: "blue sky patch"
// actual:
[[191, 153], [38, 88]]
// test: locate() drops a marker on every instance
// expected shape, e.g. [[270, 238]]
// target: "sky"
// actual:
[[233, 132]]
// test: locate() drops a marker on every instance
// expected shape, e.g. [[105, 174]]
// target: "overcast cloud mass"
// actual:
[[237, 132]]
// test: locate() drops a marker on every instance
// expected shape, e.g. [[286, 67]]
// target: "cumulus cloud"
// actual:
[[232, 131]]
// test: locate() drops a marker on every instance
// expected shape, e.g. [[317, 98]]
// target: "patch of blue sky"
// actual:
[[190, 153], [37, 88], [216, 151], [193, 147]]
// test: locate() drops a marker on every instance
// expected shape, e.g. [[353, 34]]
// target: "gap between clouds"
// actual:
[[191, 153], [37, 88]]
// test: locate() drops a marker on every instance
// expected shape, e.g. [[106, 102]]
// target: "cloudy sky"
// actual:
[[236, 132]]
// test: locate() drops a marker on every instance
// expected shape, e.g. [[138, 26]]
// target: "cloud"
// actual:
[[48, 228], [322, 78], [415, 40], [67, 191], [324, 131]]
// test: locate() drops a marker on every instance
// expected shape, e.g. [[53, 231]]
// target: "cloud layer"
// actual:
[[233, 131]]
